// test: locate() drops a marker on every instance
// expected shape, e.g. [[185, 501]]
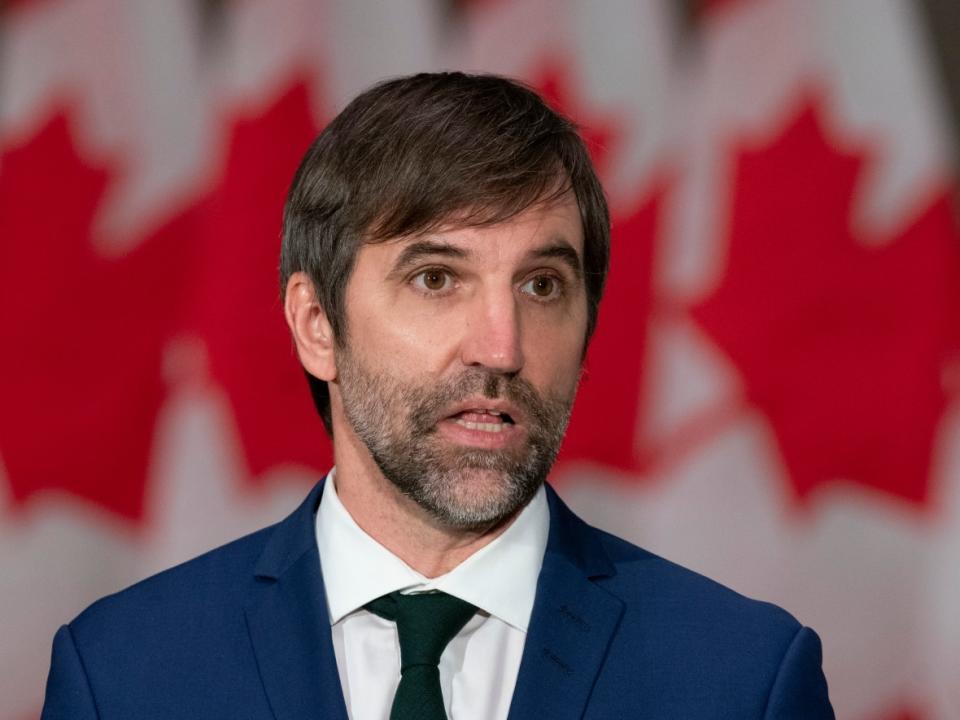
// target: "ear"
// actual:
[[310, 328]]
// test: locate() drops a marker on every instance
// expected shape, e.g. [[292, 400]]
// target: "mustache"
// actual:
[[433, 407]]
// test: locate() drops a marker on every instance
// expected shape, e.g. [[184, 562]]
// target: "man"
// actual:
[[444, 252]]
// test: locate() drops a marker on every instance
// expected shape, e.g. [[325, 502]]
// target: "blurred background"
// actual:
[[772, 394]]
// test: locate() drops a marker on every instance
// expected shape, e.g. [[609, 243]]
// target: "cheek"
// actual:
[[406, 340], [554, 353]]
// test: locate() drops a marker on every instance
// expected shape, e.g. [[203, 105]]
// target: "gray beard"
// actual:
[[397, 423]]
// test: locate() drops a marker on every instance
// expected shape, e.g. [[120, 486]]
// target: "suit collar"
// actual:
[[573, 623], [290, 538], [575, 542], [288, 623]]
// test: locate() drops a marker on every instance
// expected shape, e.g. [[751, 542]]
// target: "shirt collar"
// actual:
[[500, 578]]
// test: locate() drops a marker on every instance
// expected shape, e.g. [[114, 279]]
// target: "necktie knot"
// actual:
[[426, 622]]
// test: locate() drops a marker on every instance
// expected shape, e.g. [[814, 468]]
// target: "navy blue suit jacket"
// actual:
[[242, 633]]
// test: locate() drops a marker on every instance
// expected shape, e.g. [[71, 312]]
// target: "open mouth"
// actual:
[[483, 420]]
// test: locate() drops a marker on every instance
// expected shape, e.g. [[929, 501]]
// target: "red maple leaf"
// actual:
[[603, 426], [83, 389], [237, 309], [83, 333], [840, 342]]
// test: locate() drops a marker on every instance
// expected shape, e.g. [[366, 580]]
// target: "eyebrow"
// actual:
[[563, 251], [415, 252], [558, 248]]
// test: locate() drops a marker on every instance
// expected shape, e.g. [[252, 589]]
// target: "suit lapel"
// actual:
[[572, 624], [289, 626]]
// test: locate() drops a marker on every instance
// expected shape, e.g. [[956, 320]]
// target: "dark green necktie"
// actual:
[[425, 624]]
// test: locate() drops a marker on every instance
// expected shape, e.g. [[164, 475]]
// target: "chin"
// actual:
[[475, 498]]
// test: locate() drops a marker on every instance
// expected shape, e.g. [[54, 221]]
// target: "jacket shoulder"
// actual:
[[645, 581], [173, 645], [200, 587], [678, 626]]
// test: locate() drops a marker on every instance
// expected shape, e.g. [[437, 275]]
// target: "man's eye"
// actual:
[[542, 286], [432, 280]]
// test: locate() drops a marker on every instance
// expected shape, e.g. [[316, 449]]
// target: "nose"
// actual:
[[492, 336]]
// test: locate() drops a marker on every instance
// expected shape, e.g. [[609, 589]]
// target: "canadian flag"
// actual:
[[771, 397]]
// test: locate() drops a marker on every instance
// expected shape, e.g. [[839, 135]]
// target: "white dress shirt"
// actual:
[[478, 669]]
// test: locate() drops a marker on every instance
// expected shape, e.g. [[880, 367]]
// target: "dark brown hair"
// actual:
[[414, 153]]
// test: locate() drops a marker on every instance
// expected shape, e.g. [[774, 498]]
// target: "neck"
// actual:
[[397, 522]]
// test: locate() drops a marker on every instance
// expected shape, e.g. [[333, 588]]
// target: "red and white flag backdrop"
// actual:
[[772, 394]]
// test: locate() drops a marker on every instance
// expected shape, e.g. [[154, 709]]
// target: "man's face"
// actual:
[[461, 359]]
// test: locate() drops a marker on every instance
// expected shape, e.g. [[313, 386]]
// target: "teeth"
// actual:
[[486, 427]]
